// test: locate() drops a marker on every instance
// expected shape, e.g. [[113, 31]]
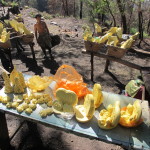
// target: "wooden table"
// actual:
[[108, 59], [137, 137]]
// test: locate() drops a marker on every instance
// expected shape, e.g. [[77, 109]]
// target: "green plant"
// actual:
[[32, 14], [133, 30], [146, 35], [46, 15], [13, 4]]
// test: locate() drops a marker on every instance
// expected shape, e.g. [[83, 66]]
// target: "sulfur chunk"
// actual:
[[22, 80], [112, 40], [34, 101], [9, 105], [13, 75], [5, 99], [28, 110], [32, 106], [8, 87], [97, 28], [45, 112], [127, 44], [18, 87], [119, 33], [47, 98], [50, 103], [1, 98], [24, 105], [15, 104], [20, 109], [104, 38]]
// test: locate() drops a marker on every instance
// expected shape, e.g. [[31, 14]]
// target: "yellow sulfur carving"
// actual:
[[8, 87]]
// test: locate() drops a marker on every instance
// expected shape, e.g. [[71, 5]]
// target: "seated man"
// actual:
[[42, 35]]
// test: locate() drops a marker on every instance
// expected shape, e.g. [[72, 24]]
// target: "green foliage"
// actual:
[[146, 35], [4, 2], [14, 4], [96, 7], [133, 30], [46, 15], [32, 14]]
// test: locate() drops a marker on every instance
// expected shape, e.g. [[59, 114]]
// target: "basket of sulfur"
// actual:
[[93, 43], [26, 35], [4, 37], [117, 47]]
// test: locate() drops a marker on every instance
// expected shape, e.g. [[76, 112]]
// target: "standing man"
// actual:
[[42, 35]]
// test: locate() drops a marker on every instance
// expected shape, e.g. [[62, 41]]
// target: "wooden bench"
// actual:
[[108, 59]]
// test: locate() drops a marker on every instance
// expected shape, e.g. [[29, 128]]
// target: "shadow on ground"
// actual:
[[30, 138]]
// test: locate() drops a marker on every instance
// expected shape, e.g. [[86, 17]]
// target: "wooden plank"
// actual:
[[92, 67], [124, 62]]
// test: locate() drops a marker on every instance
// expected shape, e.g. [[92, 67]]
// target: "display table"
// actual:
[[138, 137]]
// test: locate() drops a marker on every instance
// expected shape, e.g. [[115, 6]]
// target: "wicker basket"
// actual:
[[27, 38], [116, 51], [93, 46], [5, 45]]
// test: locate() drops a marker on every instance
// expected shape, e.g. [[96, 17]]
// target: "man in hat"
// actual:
[[42, 35]]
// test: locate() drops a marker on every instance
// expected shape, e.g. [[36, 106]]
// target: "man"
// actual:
[[42, 35]]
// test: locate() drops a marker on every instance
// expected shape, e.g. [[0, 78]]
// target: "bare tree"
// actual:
[[123, 17], [140, 18], [81, 8], [108, 5]]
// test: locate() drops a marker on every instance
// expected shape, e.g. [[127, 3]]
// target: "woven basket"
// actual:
[[93, 46], [28, 38], [116, 51], [5, 45]]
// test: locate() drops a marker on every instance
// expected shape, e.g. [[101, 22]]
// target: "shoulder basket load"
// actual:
[[27, 36], [117, 47], [93, 43], [4, 38]]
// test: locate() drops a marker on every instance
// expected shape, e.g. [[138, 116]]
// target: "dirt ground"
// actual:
[[69, 51]]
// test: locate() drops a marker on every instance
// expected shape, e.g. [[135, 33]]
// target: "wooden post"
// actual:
[[10, 58], [4, 135], [106, 65], [92, 66], [32, 50]]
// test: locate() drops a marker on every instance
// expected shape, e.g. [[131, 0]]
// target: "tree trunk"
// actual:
[[131, 12], [64, 8], [67, 12], [123, 17], [114, 20], [140, 17], [81, 7], [74, 7]]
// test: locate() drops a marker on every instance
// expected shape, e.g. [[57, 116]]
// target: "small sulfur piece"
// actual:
[[28, 110], [15, 105], [32, 106], [9, 105], [20, 109], [46, 112]]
